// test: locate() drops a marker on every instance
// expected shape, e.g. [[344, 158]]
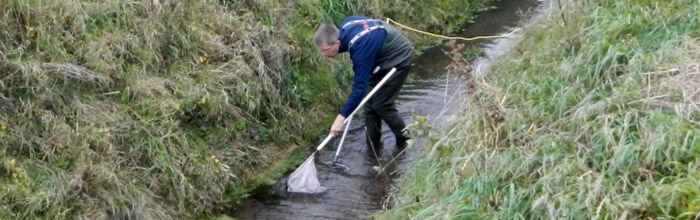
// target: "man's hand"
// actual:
[[337, 126]]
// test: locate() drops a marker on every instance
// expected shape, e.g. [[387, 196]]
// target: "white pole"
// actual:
[[349, 119], [364, 100]]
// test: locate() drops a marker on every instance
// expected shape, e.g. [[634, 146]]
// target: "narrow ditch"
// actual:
[[358, 192]]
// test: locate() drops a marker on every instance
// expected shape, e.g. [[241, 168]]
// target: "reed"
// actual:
[[158, 109], [591, 117]]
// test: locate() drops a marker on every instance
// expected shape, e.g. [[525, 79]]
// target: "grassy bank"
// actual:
[[161, 109], [593, 114]]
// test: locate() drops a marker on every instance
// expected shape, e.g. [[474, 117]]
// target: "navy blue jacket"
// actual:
[[363, 54]]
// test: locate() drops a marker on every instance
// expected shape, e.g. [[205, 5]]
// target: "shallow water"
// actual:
[[359, 190]]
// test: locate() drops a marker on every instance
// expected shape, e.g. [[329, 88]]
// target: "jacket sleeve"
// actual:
[[363, 54]]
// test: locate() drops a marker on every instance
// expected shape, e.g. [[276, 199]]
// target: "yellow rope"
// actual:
[[447, 37]]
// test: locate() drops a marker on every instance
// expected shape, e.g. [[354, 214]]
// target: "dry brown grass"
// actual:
[[674, 88], [156, 109]]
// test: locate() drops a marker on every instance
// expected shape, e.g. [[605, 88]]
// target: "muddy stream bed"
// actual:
[[360, 191]]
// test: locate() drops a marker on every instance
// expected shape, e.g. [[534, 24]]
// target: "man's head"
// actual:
[[326, 39]]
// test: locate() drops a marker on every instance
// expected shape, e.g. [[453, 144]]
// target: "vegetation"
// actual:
[[592, 115], [161, 109]]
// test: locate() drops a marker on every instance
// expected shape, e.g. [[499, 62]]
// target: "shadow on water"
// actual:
[[359, 190]]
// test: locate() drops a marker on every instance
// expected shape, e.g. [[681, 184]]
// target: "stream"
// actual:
[[360, 191]]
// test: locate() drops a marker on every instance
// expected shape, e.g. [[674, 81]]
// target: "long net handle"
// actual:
[[374, 90], [364, 100], [342, 139]]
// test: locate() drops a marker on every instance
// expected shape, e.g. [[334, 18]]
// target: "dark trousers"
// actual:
[[381, 107]]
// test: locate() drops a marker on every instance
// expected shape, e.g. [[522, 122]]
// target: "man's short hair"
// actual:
[[326, 34]]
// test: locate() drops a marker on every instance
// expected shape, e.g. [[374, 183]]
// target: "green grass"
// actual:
[[166, 109], [592, 115]]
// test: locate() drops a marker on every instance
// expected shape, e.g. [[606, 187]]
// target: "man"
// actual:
[[375, 48]]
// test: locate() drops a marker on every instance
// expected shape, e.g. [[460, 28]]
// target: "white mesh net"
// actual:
[[304, 179]]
